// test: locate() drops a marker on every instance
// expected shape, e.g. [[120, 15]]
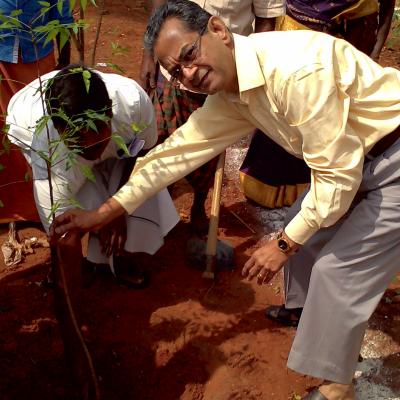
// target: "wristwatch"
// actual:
[[283, 244]]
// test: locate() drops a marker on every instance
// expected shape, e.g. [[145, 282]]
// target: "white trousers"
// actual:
[[146, 226]]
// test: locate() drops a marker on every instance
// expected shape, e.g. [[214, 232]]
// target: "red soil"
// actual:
[[182, 338]]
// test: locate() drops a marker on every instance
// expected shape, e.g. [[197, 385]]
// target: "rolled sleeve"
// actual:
[[269, 8], [331, 148], [208, 131]]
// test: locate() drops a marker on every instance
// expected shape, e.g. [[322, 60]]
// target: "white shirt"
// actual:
[[131, 109]]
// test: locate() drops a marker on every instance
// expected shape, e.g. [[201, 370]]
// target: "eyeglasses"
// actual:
[[186, 59]]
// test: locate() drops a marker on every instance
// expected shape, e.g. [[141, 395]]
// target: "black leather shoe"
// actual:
[[284, 316], [130, 274], [315, 395], [137, 280], [92, 272]]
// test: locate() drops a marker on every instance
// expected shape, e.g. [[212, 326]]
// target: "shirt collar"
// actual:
[[248, 68]]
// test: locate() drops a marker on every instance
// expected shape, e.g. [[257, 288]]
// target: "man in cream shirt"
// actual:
[[174, 103], [322, 100]]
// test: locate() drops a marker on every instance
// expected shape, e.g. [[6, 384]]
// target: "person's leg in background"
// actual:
[[271, 176], [173, 107], [16, 192]]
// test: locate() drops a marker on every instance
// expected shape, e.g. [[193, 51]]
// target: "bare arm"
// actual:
[[386, 9], [148, 68], [264, 24]]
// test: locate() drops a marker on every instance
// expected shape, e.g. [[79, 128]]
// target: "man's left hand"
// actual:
[[113, 236], [265, 263]]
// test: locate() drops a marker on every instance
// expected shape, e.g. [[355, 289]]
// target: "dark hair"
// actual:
[[75, 90], [191, 14]]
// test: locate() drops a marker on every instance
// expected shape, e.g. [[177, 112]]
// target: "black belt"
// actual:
[[384, 143]]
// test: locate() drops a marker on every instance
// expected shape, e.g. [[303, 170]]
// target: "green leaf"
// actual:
[[11, 24], [6, 144], [60, 7], [15, 13], [71, 159], [55, 206], [6, 129], [83, 4], [120, 143], [72, 5], [92, 125], [116, 68], [117, 49], [75, 203], [64, 37], [43, 155], [40, 29], [41, 123], [138, 127], [50, 36], [87, 172], [76, 70], [44, 3], [86, 78], [93, 115]]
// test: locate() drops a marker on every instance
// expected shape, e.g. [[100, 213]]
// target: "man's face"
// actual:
[[94, 143], [212, 69]]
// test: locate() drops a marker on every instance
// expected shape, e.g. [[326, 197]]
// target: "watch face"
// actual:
[[283, 244]]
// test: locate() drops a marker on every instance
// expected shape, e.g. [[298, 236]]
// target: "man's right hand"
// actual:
[[147, 76], [86, 220]]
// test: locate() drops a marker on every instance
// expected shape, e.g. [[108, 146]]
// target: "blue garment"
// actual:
[[13, 41]]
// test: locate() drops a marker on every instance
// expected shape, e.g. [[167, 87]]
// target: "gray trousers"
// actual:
[[341, 273]]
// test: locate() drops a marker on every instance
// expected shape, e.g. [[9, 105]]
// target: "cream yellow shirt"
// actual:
[[315, 95], [239, 15]]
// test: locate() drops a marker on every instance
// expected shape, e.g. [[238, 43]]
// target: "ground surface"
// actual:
[[184, 337]]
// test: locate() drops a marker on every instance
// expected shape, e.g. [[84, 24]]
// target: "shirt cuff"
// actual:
[[298, 230], [126, 199]]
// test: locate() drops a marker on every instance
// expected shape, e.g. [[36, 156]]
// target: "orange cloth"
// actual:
[[16, 194]]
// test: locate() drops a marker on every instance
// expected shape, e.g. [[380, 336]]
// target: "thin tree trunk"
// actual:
[[98, 28]]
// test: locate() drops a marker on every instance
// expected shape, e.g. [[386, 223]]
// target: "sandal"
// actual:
[[284, 316]]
